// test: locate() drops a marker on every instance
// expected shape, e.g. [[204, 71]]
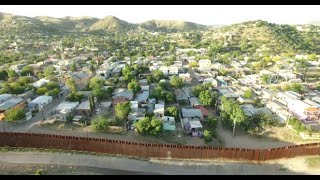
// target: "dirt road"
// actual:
[[132, 166]]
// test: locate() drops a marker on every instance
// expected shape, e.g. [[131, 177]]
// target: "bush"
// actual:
[[100, 124], [207, 136], [149, 126], [296, 125]]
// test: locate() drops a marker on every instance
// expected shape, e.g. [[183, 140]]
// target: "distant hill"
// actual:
[[112, 23], [314, 23], [171, 25]]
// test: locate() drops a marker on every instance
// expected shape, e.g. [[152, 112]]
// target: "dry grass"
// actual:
[[313, 162]]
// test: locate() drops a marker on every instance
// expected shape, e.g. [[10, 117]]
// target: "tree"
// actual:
[[96, 83], [205, 98], [122, 110], [15, 114], [193, 64], [176, 82], [134, 86], [73, 67], [52, 85], [100, 123], [158, 75], [237, 116], [11, 73], [71, 85], [26, 70], [294, 87], [75, 97], [207, 136], [172, 111], [3, 75], [149, 126], [265, 78], [49, 71], [169, 97], [42, 90], [247, 94], [54, 92], [223, 72]]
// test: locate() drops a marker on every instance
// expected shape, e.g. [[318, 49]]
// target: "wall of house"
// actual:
[[145, 150]]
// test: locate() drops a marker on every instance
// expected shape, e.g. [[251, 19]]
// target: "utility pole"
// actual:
[[234, 126]]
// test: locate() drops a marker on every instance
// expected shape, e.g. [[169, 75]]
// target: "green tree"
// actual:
[[3, 75], [298, 88], [100, 123], [73, 67], [11, 73], [52, 85], [42, 90], [15, 114], [172, 111], [158, 75], [169, 97], [237, 116], [205, 98], [134, 86], [122, 110], [193, 64], [265, 78], [96, 83], [176, 82], [71, 84], [207, 136], [49, 71], [74, 97], [26, 70], [247, 94], [149, 126]]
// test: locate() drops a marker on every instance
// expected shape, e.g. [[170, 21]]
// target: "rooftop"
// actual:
[[85, 105]]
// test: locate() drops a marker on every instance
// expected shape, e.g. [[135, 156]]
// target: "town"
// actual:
[[174, 87]]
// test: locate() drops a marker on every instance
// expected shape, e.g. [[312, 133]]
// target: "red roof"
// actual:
[[204, 110], [119, 100]]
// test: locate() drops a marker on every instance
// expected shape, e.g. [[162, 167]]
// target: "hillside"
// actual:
[[171, 25], [268, 37], [112, 23]]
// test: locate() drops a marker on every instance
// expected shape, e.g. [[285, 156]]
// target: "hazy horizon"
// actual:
[[201, 14]]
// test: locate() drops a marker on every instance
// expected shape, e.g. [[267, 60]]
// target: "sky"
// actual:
[[202, 14]]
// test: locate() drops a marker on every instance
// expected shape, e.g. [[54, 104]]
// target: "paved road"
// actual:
[[164, 167], [26, 125]]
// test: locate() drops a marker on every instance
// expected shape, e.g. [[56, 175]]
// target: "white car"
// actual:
[[98, 111]]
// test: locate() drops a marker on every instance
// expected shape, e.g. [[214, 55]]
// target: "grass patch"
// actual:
[[313, 162]]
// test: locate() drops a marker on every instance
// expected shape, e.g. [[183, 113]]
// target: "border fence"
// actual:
[[146, 150]]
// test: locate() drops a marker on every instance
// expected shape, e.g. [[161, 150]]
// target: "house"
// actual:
[[191, 113], [181, 95], [222, 81], [142, 97], [228, 93], [145, 88], [40, 82], [121, 95], [159, 110], [212, 81], [84, 109], [186, 77], [134, 106], [5, 97], [143, 82], [169, 123], [268, 94], [169, 70], [40, 102], [106, 105], [194, 127], [65, 109], [203, 110], [12, 103], [204, 65], [288, 96], [194, 101], [303, 111]]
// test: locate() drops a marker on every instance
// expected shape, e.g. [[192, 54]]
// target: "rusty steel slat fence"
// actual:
[[149, 150]]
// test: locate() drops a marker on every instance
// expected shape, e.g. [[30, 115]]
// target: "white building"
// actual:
[[40, 101], [212, 81], [169, 70], [40, 83], [204, 65]]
